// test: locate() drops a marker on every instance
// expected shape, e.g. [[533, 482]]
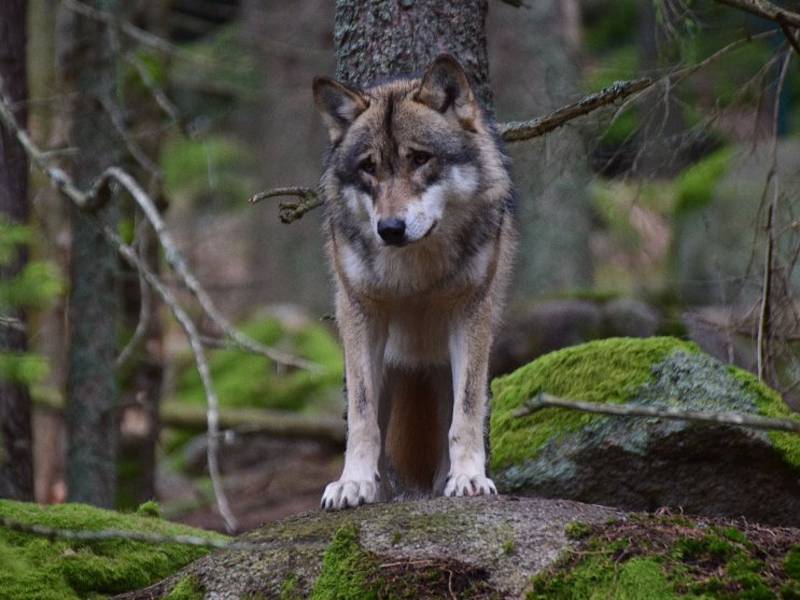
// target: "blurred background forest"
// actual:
[[662, 214]]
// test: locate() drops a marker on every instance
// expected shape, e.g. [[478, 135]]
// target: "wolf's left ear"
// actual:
[[445, 88], [339, 105]]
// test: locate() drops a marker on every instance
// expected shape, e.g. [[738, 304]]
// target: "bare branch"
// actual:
[[291, 211], [543, 400], [765, 10], [161, 98], [791, 36], [516, 131], [190, 329]]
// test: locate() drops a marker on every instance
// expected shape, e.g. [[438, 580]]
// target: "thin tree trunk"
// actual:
[[16, 447], [89, 68], [379, 38]]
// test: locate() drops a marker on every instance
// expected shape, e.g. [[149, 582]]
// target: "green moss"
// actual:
[[577, 530], [186, 589], [609, 370], [770, 404], [244, 379], [290, 589], [791, 563], [599, 578], [150, 508], [697, 183], [40, 569], [346, 569]]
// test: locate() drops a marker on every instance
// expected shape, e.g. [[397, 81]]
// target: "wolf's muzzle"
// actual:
[[392, 231]]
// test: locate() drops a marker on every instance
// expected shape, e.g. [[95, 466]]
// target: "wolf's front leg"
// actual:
[[470, 342], [364, 340]]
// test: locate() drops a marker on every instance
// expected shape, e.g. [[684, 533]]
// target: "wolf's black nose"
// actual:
[[392, 231]]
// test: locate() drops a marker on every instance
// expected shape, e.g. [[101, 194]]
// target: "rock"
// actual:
[[645, 464], [487, 547]]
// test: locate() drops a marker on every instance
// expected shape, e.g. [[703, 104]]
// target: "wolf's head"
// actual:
[[404, 152]]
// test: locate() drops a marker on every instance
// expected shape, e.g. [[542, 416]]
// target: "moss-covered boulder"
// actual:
[[36, 568], [645, 464], [487, 547]]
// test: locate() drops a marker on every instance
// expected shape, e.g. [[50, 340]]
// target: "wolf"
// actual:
[[419, 210]]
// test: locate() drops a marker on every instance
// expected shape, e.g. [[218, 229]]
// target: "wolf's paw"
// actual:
[[466, 485], [346, 493]]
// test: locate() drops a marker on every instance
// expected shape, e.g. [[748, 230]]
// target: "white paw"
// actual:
[[469, 485], [347, 493]]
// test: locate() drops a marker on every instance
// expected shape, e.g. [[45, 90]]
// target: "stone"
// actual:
[[646, 463]]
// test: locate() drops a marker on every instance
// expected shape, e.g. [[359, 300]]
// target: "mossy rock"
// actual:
[[473, 548], [666, 557], [249, 380], [36, 568], [645, 464]]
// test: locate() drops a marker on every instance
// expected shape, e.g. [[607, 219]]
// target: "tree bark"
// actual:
[[389, 37], [16, 447], [90, 72]]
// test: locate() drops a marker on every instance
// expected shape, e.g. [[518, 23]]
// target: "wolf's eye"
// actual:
[[367, 165], [419, 158]]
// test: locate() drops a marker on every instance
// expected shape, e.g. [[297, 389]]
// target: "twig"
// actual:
[[292, 210], [765, 318], [516, 131], [544, 400], [156, 91], [134, 149]]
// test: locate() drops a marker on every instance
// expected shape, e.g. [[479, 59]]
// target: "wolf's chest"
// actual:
[[418, 335]]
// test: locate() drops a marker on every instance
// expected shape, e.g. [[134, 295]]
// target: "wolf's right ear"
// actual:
[[338, 104], [445, 88]]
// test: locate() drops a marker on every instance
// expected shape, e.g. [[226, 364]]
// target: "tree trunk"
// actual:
[[16, 448], [388, 37], [90, 72]]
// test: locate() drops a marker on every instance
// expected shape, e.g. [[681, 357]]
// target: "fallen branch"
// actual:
[[517, 131], [103, 535], [543, 400], [275, 423]]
